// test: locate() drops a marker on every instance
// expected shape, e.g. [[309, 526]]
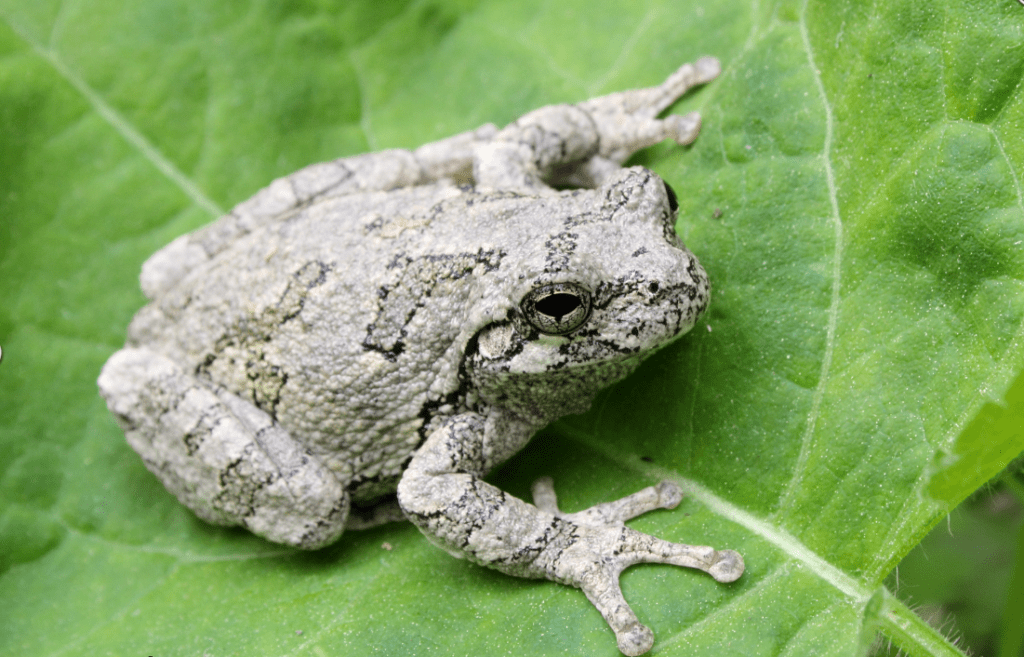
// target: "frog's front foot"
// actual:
[[600, 547]]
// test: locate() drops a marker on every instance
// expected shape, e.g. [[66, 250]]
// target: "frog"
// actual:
[[364, 340]]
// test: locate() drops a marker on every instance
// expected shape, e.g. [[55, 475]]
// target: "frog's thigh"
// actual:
[[220, 455]]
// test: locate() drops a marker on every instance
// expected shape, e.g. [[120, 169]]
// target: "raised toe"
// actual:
[[669, 495], [636, 640], [727, 567], [708, 68]]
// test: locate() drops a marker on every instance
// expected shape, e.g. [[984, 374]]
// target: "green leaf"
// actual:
[[855, 197]]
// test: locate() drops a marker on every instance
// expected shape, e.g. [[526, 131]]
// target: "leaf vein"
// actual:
[[624, 52], [799, 468], [723, 610], [365, 120], [919, 505], [120, 124], [179, 556]]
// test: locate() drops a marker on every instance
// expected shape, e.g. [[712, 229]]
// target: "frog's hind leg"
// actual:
[[221, 456], [581, 145], [627, 120]]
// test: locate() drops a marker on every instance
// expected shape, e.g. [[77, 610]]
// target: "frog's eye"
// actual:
[[557, 308]]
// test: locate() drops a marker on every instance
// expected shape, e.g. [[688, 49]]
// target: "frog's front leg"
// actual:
[[582, 144], [223, 457], [443, 494]]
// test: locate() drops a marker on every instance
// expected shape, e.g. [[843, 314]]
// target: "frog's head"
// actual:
[[610, 284]]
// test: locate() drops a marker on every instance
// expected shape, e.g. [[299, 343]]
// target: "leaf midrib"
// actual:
[[120, 124]]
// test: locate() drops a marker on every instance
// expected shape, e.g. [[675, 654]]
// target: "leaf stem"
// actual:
[[913, 636]]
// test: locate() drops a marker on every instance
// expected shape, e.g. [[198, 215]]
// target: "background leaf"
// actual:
[[855, 197], [959, 577]]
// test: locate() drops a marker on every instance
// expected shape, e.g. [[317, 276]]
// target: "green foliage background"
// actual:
[[855, 197]]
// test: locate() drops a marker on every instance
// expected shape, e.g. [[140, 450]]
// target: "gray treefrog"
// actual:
[[365, 339]]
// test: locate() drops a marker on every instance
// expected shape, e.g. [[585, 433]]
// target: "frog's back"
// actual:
[[343, 321]]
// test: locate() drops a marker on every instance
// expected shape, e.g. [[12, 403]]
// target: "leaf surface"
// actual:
[[855, 196]]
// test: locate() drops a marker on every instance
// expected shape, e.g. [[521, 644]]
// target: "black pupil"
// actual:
[[558, 305]]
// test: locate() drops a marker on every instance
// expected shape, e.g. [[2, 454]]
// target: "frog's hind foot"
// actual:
[[582, 145], [649, 102], [627, 120], [223, 457]]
